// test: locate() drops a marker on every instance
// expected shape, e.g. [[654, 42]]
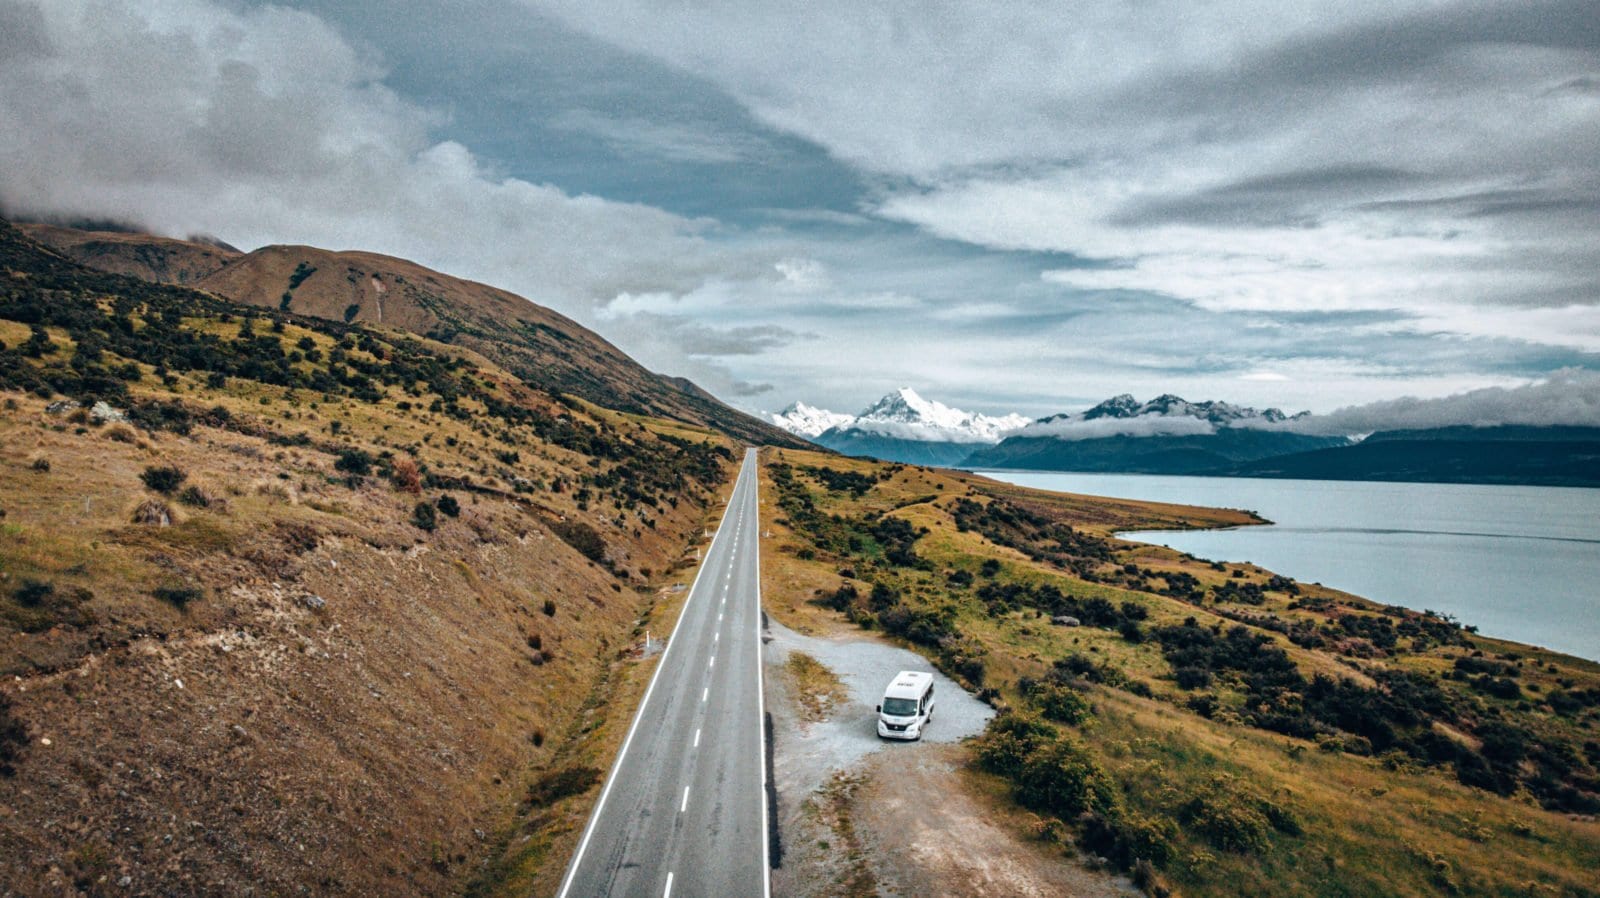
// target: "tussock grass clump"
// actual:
[[121, 433], [153, 513], [197, 496]]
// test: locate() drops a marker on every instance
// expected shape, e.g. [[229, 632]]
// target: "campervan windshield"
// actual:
[[900, 707]]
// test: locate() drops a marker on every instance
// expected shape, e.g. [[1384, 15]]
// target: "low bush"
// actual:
[[558, 784], [194, 496], [448, 505], [163, 479], [1060, 778], [1059, 702], [423, 517], [1009, 740], [354, 461], [1127, 837], [1233, 818], [177, 596], [582, 537], [32, 593]]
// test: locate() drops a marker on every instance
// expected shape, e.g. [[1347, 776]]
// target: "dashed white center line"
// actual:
[[713, 661], [697, 738], [668, 892], [716, 636], [704, 693], [685, 805]]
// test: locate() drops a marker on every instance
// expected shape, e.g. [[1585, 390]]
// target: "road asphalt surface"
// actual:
[[683, 811]]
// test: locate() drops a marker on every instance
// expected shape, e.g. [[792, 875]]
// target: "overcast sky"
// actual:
[[1010, 206]]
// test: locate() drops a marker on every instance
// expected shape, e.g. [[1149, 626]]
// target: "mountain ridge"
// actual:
[[530, 340]]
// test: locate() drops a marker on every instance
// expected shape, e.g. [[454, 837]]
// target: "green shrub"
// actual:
[[162, 478], [1233, 818], [1128, 837], [448, 505], [194, 496], [1060, 778], [1060, 703], [178, 597], [32, 593], [423, 517], [354, 461], [1008, 741], [582, 537]]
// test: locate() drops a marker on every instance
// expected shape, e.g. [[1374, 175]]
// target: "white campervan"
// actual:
[[907, 705]]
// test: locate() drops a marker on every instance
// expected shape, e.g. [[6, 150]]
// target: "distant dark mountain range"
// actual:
[[1167, 435], [1539, 456], [1170, 435], [1156, 454]]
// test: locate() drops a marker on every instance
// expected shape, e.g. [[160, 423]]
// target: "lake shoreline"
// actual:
[[1513, 561]]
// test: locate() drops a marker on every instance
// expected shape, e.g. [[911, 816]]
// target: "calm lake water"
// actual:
[[1519, 562]]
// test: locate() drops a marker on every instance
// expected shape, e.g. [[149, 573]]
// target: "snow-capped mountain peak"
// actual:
[[1165, 415], [903, 415], [809, 421]]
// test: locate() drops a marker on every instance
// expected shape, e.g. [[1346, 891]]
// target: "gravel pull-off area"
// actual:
[[860, 816]]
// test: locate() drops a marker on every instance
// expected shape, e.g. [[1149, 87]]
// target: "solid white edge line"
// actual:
[[672, 640], [761, 694]]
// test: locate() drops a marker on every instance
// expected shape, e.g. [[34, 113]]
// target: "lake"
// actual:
[[1519, 562]]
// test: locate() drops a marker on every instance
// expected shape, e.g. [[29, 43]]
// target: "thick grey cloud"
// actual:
[[1140, 426], [1014, 205], [1239, 156], [1568, 397], [267, 125]]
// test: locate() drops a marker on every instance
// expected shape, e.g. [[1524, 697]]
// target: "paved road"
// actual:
[[684, 809]]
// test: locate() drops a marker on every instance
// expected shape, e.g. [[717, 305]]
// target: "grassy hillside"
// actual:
[[527, 340], [310, 606], [1212, 728]]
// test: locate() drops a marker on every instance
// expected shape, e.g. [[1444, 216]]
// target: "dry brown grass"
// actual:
[[817, 687], [344, 687]]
